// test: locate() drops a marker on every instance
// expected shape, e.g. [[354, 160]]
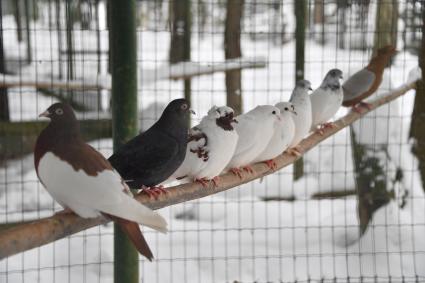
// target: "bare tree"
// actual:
[[232, 49]]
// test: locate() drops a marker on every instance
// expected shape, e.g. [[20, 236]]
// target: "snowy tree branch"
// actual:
[[40, 232]]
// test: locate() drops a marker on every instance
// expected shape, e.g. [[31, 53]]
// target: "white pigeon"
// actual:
[[302, 103], [283, 135], [211, 146], [326, 100], [255, 129]]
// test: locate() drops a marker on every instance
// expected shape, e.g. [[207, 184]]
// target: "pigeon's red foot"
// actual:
[[295, 151], [203, 181], [236, 172], [357, 108], [154, 192], [65, 211], [215, 181], [322, 127], [248, 169], [271, 164]]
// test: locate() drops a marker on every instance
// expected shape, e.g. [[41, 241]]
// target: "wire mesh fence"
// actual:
[[277, 229]]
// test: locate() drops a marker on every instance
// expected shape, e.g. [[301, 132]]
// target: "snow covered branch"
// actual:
[[40, 232], [182, 70]]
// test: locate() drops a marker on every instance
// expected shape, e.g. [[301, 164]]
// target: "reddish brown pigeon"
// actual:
[[366, 81], [84, 182]]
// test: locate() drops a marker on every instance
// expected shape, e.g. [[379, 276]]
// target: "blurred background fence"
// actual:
[[353, 210]]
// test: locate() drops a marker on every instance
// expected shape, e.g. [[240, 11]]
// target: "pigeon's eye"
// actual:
[[274, 112], [183, 107], [286, 109], [59, 111]]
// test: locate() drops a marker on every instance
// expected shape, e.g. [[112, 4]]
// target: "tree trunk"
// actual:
[[17, 15], [232, 49], [386, 24], [417, 127], [59, 36], [69, 39], [180, 37], [300, 8], [371, 160], [4, 99], [28, 32]]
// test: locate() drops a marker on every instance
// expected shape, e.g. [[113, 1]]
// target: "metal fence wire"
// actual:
[[353, 210]]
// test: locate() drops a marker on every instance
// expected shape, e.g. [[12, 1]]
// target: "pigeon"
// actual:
[[303, 120], [82, 181], [211, 146], [326, 100], [151, 157], [284, 131], [366, 81], [255, 129]]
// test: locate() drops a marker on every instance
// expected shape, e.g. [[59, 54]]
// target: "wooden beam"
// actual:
[[46, 230]]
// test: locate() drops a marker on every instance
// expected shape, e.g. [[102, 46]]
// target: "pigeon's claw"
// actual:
[[358, 107], [154, 192], [215, 181], [203, 181], [236, 172], [248, 169], [271, 164], [294, 151]]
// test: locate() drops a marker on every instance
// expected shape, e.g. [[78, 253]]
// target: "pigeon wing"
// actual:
[[358, 84], [142, 156]]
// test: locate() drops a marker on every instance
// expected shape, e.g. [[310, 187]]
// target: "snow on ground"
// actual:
[[235, 235]]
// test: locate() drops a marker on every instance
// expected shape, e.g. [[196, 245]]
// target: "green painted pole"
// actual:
[[300, 10], [123, 46]]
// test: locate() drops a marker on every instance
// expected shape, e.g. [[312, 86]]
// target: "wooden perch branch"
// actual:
[[27, 236]]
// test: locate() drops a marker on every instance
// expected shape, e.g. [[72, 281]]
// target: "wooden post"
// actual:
[[123, 45], [417, 126], [232, 49], [300, 10]]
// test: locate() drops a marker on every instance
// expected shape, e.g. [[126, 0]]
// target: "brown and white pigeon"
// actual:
[[365, 82], [81, 180]]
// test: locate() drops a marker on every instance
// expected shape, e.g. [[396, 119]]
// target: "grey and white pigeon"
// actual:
[[81, 180], [255, 129], [327, 99], [282, 137], [211, 146], [302, 103]]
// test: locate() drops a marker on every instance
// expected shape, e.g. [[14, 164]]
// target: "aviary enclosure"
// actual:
[[350, 208]]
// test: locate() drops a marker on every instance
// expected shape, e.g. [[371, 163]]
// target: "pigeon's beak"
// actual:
[[192, 112], [235, 121], [295, 112], [310, 88], [45, 114]]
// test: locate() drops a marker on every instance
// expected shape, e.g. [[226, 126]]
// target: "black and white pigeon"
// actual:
[[151, 157], [81, 180], [326, 100], [282, 137], [255, 129], [303, 120], [211, 146]]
